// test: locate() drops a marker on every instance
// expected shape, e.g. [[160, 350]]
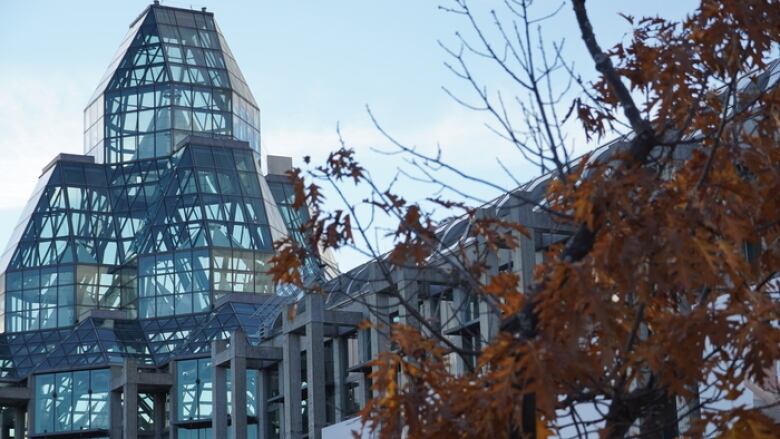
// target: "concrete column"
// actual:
[[527, 250], [19, 424], [30, 413], [432, 313], [174, 396], [263, 392], [115, 403], [159, 415], [379, 336], [115, 414], [238, 425], [219, 392], [407, 290], [339, 375], [130, 393], [315, 378], [488, 323], [364, 389], [460, 299], [488, 320], [291, 379], [5, 422], [130, 410]]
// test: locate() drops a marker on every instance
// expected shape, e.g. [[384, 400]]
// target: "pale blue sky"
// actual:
[[310, 64]]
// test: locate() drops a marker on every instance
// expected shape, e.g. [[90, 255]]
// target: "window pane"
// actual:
[[81, 400], [44, 403], [98, 411], [63, 402], [182, 119], [187, 376], [205, 388]]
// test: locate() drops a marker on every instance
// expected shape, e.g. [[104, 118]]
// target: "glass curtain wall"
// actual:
[[173, 283], [209, 232], [176, 77], [294, 220], [67, 257], [40, 298], [194, 389], [72, 401]]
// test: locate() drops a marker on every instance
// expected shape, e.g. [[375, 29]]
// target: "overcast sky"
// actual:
[[311, 64]]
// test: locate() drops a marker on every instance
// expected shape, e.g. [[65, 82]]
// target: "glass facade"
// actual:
[[40, 298], [195, 393], [173, 76], [99, 341], [72, 401], [166, 214], [153, 238], [294, 220], [132, 250], [69, 251], [194, 389], [253, 319], [174, 283], [211, 198]]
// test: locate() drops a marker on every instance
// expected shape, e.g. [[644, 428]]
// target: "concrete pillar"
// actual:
[[115, 404], [130, 394], [408, 292], [527, 249], [380, 341], [5, 421], [291, 379], [263, 392], [488, 320], [30, 413], [364, 389], [488, 323], [174, 397], [460, 299], [378, 336], [339, 375], [115, 414], [130, 410], [238, 424], [20, 430], [219, 392], [315, 378], [159, 414]]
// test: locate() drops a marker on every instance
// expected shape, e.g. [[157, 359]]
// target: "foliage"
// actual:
[[651, 297]]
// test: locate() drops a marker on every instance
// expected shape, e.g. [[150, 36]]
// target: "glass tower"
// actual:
[[135, 249], [173, 76]]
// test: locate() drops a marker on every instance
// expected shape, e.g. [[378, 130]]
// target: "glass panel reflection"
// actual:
[[71, 401]]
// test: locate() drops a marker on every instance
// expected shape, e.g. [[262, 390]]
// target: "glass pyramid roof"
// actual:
[[253, 319], [99, 342], [173, 76]]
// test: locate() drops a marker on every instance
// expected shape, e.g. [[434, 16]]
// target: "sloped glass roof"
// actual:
[[72, 221], [118, 56], [253, 319], [99, 342], [213, 198], [283, 195], [166, 335], [24, 219], [173, 76], [26, 350]]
